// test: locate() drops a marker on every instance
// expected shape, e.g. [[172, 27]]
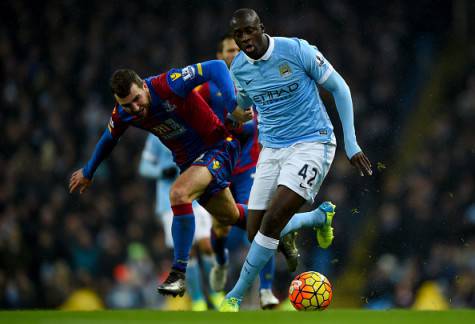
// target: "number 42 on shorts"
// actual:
[[304, 174]]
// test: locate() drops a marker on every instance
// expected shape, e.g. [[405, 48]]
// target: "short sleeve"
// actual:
[[313, 61]]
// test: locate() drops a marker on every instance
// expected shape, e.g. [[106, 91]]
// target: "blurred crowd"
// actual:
[[426, 243], [106, 245]]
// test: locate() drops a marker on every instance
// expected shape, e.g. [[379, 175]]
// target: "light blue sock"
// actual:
[[261, 251], [314, 218], [266, 276], [193, 280], [207, 261]]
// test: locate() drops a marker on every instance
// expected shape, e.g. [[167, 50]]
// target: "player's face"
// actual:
[[137, 102], [230, 50], [249, 36]]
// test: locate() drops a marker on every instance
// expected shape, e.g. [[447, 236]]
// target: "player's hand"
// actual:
[[243, 115], [169, 173], [362, 163], [78, 180], [233, 125]]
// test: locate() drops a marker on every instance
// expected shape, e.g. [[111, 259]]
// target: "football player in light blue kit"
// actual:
[[280, 76]]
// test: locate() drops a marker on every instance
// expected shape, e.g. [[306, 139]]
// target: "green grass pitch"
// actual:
[[261, 317]]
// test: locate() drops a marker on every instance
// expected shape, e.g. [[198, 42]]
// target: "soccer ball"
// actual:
[[310, 291]]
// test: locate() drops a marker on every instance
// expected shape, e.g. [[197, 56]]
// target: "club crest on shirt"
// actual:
[[216, 165], [175, 76], [285, 70]]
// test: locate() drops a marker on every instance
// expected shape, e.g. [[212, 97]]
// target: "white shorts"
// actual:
[[202, 224], [300, 167]]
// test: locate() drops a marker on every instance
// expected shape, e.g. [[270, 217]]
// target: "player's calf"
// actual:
[[226, 211]]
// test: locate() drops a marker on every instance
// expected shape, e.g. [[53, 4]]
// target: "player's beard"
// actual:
[[146, 111]]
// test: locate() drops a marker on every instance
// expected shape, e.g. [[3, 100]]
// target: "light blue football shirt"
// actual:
[[156, 157], [282, 84]]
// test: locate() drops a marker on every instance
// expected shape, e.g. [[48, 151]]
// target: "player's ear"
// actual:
[[219, 55], [262, 27], [145, 86]]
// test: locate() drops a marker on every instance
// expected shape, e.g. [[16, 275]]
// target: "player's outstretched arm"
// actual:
[[79, 181], [82, 178], [341, 93]]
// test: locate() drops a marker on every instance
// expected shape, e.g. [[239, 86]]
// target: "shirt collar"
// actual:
[[266, 55]]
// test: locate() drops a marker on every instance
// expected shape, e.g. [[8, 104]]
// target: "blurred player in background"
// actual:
[[157, 163], [279, 76], [166, 106], [241, 181]]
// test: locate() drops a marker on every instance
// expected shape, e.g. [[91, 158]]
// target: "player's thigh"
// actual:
[[305, 169], [284, 204], [223, 207], [191, 183], [265, 178]]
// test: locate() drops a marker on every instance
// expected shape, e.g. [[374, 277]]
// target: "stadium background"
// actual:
[[404, 236]]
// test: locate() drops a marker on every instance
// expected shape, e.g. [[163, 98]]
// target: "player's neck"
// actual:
[[265, 47], [149, 95]]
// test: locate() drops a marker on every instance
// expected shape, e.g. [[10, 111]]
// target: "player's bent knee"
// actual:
[[179, 196]]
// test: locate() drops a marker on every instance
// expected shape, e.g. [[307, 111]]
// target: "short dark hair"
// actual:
[[122, 80], [244, 13], [222, 39]]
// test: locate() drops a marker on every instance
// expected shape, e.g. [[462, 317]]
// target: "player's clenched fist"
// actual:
[[243, 115], [78, 180]]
